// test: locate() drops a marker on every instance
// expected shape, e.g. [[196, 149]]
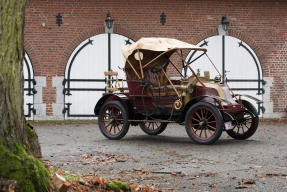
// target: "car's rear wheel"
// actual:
[[247, 122], [204, 123], [153, 128], [113, 120]]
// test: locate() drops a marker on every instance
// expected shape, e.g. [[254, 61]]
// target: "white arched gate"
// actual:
[[29, 90], [84, 81], [238, 64]]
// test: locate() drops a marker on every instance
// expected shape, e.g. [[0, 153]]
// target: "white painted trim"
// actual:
[[267, 102]]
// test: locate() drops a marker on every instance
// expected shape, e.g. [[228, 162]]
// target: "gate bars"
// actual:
[[67, 81], [30, 89], [259, 80]]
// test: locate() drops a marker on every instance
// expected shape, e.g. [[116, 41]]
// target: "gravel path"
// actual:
[[171, 161]]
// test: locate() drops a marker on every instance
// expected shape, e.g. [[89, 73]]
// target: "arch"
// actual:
[[231, 55], [118, 29], [29, 90], [250, 42], [84, 72], [33, 58], [209, 33], [237, 34], [79, 48], [28, 66]]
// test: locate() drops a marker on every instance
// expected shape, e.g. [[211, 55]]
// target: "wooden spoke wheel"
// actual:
[[204, 123], [153, 128], [247, 123], [113, 120]]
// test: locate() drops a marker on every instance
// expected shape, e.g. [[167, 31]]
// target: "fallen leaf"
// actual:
[[60, 172], [173, 173], [243, 187], [275, 175], [213, 185], [248, 182]]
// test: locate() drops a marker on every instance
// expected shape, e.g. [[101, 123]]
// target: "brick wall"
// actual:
[[262, 25]]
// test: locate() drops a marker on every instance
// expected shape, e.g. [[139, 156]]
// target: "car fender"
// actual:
[[250, 97], [197, 99], [213, 97], [118, 97]]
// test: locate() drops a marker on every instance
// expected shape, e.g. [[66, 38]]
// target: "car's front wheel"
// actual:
[[113, 120], [204, 123]]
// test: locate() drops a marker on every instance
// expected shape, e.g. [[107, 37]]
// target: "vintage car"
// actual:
[[152, 99]]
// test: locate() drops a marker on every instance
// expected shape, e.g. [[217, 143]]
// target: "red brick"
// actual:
[[261, 24]]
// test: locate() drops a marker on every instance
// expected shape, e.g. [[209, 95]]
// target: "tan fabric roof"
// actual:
[[157, 44]]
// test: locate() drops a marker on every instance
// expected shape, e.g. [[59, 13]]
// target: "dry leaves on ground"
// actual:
[[272, 175], [88, 183], [105, 158], [243, 187]]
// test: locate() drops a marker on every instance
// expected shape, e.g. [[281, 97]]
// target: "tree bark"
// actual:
[[12, 120], [17, 139], [13, 128]]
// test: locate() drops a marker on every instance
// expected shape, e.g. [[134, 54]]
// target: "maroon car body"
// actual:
[[152, 98]]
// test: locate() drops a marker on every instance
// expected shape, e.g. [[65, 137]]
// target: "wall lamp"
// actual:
[[224, 23], [59, 19], [162, 18], [109, 21]]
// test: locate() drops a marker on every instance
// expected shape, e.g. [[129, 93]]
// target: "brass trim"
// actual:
[[112, 73], [171, 83], [177, 104], [133, 68]]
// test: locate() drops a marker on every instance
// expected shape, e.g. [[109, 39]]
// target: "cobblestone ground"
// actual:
[[171, 161]]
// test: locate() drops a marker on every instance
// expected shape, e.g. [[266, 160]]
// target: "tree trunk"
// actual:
[[17, 140], [12, 120]]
